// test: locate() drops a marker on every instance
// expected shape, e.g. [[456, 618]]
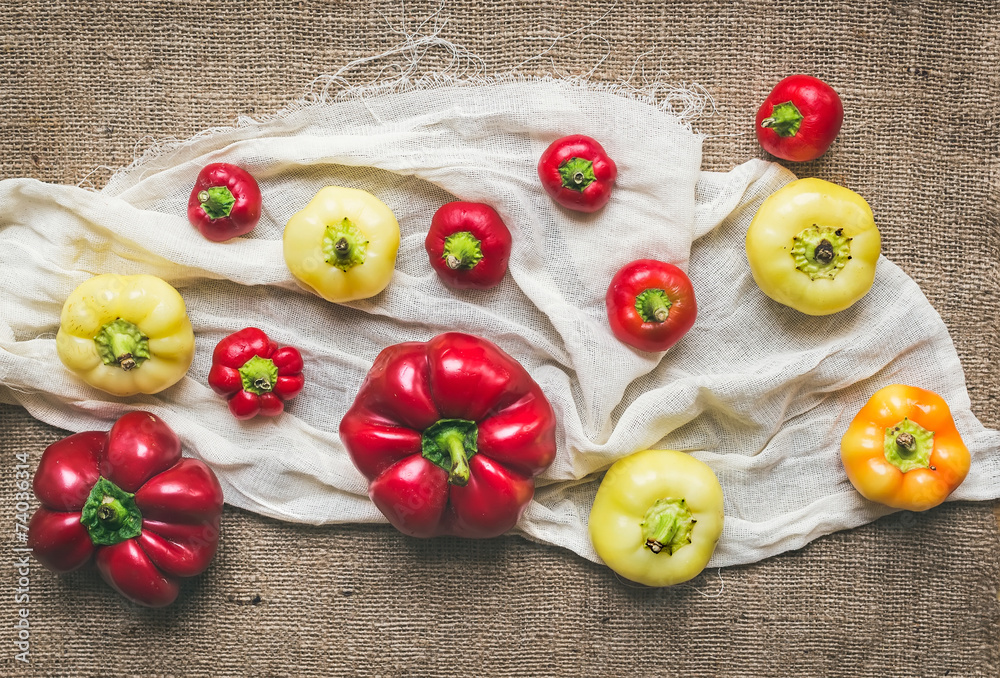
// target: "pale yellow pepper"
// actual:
[[343, 244], [126, 334], [657, 517], [813, 246]]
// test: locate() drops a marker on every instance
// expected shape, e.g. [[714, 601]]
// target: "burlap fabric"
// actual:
[[910, 595]]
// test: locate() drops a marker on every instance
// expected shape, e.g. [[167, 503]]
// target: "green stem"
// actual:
[[344, 245], [785, 119], [459, 474], [462, 251], [122, 346], [217, 201], [667, 525], [121, 343], [110, 514], [653, 305], [577, 174], [908, 446], [821, 251], [258, 375], [450, 443]]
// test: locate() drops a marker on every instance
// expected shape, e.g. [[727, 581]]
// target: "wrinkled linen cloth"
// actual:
[[758, 391]]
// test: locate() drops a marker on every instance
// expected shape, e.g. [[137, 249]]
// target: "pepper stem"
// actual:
[[667, 525], [785, 119], [217, 201], [821, 251], [121, 343], [824, 252], [653, 305], [462, 250], [344, 245], [258, 375], [450, 443], [577, 174], [110, 514], [459, 473], [908, 445]]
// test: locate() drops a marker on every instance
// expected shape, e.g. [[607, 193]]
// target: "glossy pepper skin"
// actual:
[[225, 202], [126, 334], [813, 246], [128, 500], [342, 246], [799, 119], [651, 305], [657, 517], [255, 374], [450, 434], [468, 245], [903, 450], [577, 173]]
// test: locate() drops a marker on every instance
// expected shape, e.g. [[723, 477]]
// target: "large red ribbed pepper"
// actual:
[[450, 433], [128, 498]]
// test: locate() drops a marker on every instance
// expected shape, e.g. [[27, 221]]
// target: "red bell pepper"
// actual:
[[225, 202], [650, 304], [577, 173], [468, 245], [450, 434], [799, 119], [255, 374], [129, 500]]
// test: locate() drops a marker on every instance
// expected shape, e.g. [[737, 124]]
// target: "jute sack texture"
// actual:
[[841, 600]]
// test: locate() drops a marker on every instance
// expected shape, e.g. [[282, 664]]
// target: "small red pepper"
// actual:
[[255, 374], [577, 173], [650, 304], [799, 119], [468, 245], [225, 202], [128, 499], [450, 434]]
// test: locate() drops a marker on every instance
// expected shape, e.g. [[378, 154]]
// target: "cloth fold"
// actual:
[[758, 391]]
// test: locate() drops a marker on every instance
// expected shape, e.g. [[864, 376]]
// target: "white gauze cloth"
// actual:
[[760, 392]]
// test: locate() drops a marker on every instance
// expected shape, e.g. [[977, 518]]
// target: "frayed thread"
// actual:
[[425, 62]]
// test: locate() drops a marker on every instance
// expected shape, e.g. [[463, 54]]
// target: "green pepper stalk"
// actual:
[[344, 245], [908, 446], [785, 119], [449, 443], [110, 514], [653, 305], [667, 525], [217, 201], [122, 343]]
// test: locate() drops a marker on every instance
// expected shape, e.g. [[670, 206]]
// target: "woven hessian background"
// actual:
[[910, 595]]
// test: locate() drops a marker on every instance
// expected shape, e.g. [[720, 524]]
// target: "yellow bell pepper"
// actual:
[[126, 334], [813, 245], [342, 245], [903, 450], [657, 517]]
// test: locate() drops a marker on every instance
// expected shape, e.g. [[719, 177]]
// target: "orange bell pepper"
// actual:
[[903, 449]]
